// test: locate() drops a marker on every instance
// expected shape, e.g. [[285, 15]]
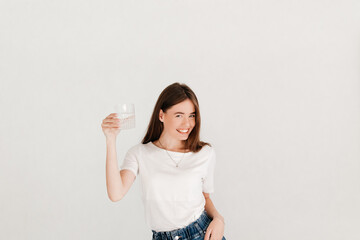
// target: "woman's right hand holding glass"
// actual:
[[111, 126]]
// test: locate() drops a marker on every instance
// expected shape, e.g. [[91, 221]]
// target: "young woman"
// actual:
[[176, 169]]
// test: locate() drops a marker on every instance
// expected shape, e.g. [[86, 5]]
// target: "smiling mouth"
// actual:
[[183, 131]]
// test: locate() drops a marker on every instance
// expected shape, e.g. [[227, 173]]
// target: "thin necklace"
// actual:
[[177, 163]]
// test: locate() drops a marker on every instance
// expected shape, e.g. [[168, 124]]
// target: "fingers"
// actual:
[[110, 125], [207, 234], [111, 121], [112, 116]]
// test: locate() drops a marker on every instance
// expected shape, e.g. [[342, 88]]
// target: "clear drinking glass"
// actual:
[[126, 112]]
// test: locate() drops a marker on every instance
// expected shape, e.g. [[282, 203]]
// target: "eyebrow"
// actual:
[[183, 113]]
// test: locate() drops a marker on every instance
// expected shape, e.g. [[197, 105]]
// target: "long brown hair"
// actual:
[[172, 95]]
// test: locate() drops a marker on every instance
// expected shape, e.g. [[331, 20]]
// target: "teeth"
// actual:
[[184, 131]]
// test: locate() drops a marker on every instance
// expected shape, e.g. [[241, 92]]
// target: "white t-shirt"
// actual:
[[172, 196]]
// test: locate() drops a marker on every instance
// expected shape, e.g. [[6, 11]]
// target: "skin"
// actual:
[[172, 140]]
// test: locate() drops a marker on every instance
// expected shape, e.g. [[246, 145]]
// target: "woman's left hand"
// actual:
[[215, 229]]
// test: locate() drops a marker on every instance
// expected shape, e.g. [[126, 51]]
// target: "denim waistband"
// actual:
[[200, 224]]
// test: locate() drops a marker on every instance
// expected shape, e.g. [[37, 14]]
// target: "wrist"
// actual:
[[220, 218], [110, 139]]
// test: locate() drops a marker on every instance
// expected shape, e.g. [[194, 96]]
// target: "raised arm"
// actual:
[[117, 182]]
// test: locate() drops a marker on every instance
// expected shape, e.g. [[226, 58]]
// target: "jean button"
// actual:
[[177, 237]]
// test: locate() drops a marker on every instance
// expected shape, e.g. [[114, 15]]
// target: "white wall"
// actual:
[[278, 86]]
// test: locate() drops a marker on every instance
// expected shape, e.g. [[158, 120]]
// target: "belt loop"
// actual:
[[196, 224]]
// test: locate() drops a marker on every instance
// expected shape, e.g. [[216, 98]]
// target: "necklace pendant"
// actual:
[[177, 165]]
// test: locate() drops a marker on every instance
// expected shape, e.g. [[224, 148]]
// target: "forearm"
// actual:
[[113, 177], [211, 210]]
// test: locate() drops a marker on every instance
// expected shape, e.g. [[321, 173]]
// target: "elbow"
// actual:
[[115, 198]]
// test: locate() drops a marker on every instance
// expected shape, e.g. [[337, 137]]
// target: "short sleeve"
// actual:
[[131, 162], [208, 182]]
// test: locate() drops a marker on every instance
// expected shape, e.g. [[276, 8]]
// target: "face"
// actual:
[[179, 120]]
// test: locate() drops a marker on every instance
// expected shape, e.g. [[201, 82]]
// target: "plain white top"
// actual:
[[172, 196]]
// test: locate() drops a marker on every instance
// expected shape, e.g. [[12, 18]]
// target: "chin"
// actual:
[[184, 138]]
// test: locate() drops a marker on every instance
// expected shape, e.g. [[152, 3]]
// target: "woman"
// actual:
[[176, 169]]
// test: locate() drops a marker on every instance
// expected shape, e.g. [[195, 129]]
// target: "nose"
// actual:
[[187, 122]]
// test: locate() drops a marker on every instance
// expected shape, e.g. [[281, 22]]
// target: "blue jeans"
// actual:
[[194, 231]]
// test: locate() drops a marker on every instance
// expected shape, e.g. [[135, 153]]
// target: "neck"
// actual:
[[171, 143]]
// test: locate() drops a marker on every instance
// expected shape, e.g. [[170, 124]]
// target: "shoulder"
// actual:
[[210, 153], [207, 150], [136, 149]]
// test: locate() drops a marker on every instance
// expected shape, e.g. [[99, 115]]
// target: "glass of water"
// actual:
[[126, 112]]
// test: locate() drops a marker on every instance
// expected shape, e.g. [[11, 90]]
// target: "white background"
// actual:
[[278, 87]]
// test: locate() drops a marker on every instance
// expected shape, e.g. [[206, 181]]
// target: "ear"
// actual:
[[161, 116]]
